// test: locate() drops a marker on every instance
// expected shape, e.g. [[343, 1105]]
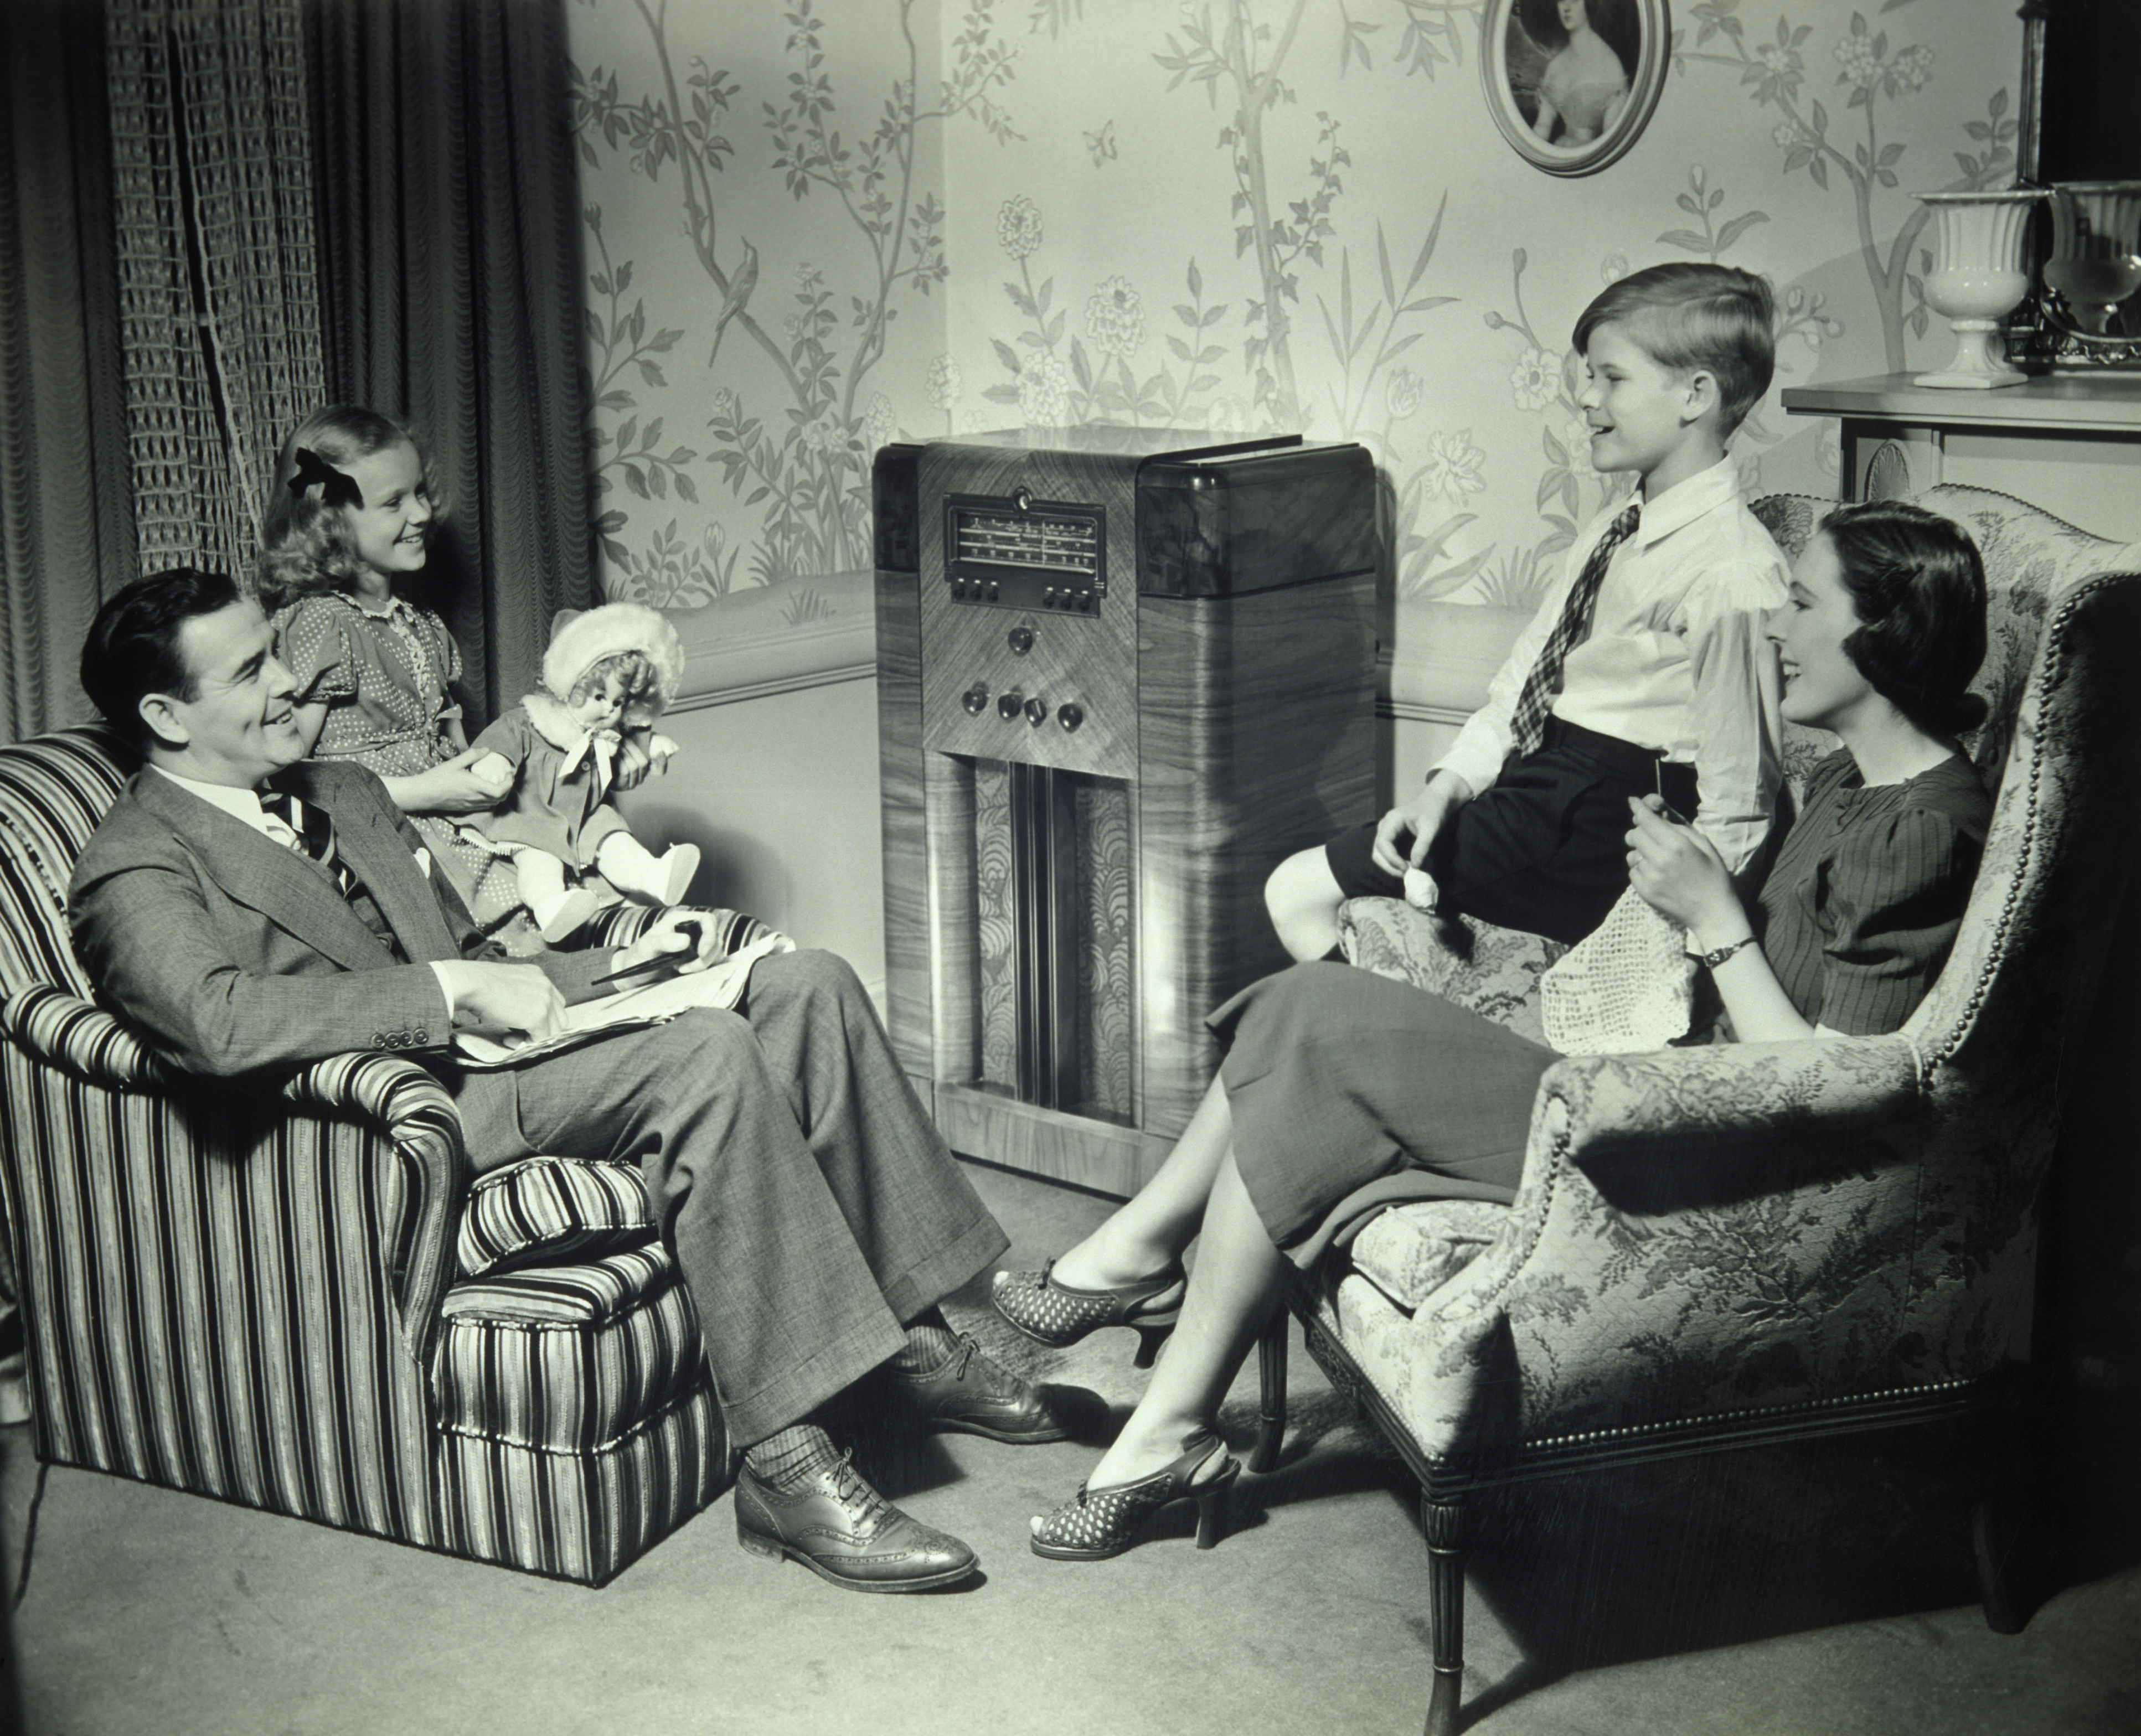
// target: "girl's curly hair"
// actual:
[[306, 548]]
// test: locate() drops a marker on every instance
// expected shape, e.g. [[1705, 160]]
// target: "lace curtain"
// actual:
[[219, 300]]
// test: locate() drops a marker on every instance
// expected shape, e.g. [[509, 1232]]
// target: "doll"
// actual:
[[608, 673]]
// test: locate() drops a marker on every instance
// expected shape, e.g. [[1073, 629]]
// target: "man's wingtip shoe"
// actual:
[[971, 1394], [839, 1527]]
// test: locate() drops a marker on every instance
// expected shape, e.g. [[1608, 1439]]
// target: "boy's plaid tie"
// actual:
[[1528, 724], [311, 832]]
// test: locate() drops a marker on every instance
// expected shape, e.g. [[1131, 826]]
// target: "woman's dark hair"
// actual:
[[1916, 582], [305, 544], [132, 650]]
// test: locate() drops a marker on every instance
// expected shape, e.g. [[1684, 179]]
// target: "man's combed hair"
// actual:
[[1686, 316], [1918, 583], [306, 548], [132, 650]]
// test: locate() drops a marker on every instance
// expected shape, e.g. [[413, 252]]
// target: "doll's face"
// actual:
[[601, 706]]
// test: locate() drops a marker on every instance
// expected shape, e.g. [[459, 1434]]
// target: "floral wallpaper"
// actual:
[[817, 226]]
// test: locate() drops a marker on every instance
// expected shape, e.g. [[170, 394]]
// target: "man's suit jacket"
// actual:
[[236, 956]]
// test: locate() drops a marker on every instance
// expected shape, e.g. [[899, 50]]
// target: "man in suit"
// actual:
[[814, 1212]]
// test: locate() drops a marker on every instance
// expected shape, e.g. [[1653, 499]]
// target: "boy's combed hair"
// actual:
[[1690, 316], [132, 650], [1918, 583], [306, 548]]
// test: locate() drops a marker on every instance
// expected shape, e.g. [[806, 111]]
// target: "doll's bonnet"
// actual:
[[581, 638]]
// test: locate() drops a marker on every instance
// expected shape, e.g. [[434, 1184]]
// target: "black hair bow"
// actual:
[[337, 488]]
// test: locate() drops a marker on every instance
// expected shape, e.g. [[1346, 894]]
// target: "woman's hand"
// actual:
[[1678, 872], [466, 783]]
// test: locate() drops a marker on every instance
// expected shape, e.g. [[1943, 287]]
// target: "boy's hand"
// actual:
[[1420, 820]]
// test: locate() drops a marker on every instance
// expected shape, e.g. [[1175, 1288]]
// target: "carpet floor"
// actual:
[[1787, 1594]]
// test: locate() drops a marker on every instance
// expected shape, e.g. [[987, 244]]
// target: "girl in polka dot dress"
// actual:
[[350, 513]]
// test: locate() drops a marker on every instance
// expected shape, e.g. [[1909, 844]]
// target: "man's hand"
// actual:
[[678, 935], [1419, 820], [507, 1001]]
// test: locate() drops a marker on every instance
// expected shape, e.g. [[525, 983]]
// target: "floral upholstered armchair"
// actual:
[[295, 1300], [1722, 1246]]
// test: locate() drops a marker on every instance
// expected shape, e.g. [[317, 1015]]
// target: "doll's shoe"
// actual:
[[680, 863], [569, 915], [1057, 1316], [1097, 1525]]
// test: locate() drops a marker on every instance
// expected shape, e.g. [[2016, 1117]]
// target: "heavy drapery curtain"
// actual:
[[219, 309], [66, 519], [448, 210]]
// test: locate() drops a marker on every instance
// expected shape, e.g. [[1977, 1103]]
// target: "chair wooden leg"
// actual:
[[1271, 1377], [1448, 1527]]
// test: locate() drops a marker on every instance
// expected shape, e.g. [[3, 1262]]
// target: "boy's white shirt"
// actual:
[[1678, 657]]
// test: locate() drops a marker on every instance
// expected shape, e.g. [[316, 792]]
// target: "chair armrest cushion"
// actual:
[[378, 1098], [57, 1029], [1697, 1231], [1491, 972]]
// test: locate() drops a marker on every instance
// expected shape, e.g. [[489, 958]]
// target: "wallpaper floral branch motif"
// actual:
[[1775, 70], [807, 460], [768, 241]]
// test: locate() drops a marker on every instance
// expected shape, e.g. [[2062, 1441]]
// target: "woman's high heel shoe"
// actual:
[[1097, 1525], [1058, 1316]]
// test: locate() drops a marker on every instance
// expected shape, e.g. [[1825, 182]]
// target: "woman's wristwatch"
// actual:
[[1711, 960]]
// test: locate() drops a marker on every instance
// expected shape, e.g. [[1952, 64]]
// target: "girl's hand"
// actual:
[[1678, 872], [453, 786]]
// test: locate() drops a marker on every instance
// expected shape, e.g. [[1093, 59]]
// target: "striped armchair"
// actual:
[[1731, 1246], [296, 1301]]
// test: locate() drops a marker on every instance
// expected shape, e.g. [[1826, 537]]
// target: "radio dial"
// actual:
[[975, 699], [1070, 715], [1021, 641], [1036, 712], [1010, 704]]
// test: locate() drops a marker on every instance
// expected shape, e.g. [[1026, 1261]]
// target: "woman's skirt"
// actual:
[[1350, 1092]]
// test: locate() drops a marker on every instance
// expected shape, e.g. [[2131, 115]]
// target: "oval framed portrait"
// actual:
[[1572, 83]]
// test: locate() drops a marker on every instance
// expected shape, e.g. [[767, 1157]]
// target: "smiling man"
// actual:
[[252, 911]]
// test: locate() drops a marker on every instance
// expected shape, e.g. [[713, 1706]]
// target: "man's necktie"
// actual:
[[1528, 723], [310, 832]]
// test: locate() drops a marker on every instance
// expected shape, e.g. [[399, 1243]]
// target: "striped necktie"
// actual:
[[1528, 723], [311, 833]]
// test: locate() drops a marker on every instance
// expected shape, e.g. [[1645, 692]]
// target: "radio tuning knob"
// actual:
[[1070, 715], [1020, 640], [1010, 704], [975, 699], [1037, 712]]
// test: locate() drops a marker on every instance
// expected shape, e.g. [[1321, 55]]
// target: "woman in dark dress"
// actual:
[[1336, 1080]]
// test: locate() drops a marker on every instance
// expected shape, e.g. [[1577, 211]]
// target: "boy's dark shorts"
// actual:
[[1544, 848]]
